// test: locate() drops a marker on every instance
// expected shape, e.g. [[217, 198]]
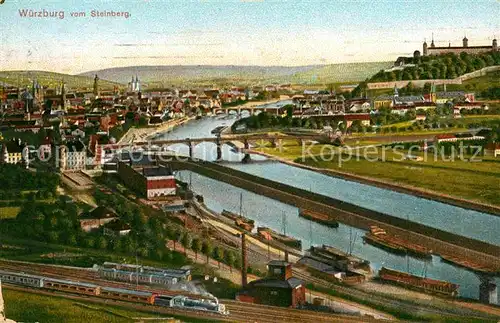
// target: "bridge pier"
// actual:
[[219, 149], [246, 158], [273, 143], [488, 291], [190, 145]]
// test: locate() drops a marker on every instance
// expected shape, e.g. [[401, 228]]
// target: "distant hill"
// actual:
[[205, 75], [50, 79], [338, 73]]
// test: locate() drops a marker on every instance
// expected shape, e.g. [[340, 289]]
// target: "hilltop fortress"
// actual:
[[433, 50]]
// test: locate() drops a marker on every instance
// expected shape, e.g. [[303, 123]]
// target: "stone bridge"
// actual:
[[274, 140], [251, 109]]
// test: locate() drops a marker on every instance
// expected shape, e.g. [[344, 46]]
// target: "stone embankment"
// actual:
[[441, 242]]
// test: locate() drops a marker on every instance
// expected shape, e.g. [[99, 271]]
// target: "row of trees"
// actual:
[[493, 93], [151, 232], [15, 178]]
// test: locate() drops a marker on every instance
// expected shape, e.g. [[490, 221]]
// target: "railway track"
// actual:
[[268, 314], [429, 309], [239, 312], [83, 275], [129, 305]]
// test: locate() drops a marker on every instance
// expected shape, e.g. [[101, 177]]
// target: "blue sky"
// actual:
[[235, 32]]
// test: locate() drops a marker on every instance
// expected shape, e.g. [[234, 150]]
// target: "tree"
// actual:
[[101, 243], [218, 254], [186, 241], [196, 246], [229, 258], [177, 237], [88, 242], [127, 244], [52, 236], [207, 248]]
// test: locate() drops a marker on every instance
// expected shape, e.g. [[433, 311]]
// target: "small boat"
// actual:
[[286, 240], [240, 221], [379, 237], [341, 259], [468, 264], [319, 217]]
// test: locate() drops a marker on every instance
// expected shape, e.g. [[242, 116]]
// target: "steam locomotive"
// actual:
[[179, 301]]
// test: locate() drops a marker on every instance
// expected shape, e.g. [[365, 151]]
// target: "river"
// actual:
[[268, 212]]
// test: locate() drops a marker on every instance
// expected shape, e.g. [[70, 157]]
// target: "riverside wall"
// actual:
[[441, 242], [401, 188]]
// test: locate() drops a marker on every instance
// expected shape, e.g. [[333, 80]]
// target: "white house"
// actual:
[[73, 156]]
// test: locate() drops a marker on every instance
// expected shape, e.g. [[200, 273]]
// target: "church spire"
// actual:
[[96, 85]]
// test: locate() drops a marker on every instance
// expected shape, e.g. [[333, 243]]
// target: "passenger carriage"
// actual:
[[72, 286], [21, 279], [128, 295]]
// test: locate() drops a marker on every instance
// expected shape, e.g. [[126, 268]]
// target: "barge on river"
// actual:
[[420, 283], [240, 221], [379, 237], [457, 261], [270, 234], [319, 217]]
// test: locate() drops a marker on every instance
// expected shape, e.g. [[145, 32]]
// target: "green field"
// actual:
[[476, 181], [51, 80], [469, 180], [478, 84], [29, 307], [9, 212]]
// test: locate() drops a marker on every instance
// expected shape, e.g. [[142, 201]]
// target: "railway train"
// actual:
[[132, 277], [179, 274], [179, 301]]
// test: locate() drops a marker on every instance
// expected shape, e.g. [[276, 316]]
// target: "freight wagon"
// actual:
[[420, 283]]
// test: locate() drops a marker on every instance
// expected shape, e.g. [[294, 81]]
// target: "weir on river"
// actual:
[[267, 212]]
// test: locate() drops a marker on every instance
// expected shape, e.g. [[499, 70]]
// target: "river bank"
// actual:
[[141, 134], [401, 188]]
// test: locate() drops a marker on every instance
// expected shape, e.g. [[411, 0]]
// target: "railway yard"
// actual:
[[237, 311], [363, 304]]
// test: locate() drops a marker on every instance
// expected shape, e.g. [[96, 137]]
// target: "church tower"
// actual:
[[432, 42], [132, 85], [424, 49], [137, 84], [494, 45], [63, 95], [96, 85], [465, 42]]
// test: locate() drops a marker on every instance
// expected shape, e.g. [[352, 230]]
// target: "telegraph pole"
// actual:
[[241, 203]]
